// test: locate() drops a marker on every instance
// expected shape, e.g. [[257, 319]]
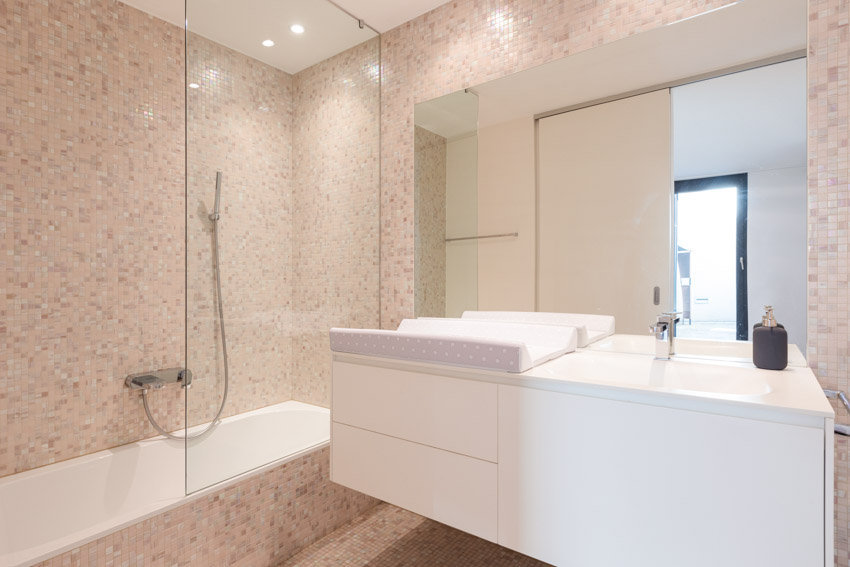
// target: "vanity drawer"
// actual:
[[453, 489], [446, 413]]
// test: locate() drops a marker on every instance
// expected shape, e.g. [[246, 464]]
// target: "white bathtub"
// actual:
[[47, 511]]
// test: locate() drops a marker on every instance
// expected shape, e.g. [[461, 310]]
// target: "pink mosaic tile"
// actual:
[[92, 215], [829, 209], [337, 216], [239, 123], [91, 224]]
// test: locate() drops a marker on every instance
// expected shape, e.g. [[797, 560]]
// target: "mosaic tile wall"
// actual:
[[91, 224], [239, 123], [337, 216], [467, 42], [429, 223], [829, 211], [260, 522], [92, 212]]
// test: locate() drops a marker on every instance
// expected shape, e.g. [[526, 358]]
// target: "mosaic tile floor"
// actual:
[[387, 536]]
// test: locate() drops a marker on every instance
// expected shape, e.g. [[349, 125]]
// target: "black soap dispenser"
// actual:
[[770, 343]]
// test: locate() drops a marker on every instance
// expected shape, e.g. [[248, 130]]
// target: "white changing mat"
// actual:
[[590, 328], [508, 347]]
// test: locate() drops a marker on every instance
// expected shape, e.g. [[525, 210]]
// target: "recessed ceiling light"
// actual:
[[194, 86], [297, 28], [268, 43]]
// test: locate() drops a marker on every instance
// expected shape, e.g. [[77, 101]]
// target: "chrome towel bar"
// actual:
[[839, 395], [480, 237]]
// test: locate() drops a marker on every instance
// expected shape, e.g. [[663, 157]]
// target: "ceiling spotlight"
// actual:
[[194, 86], [297, 28], [268, 43]]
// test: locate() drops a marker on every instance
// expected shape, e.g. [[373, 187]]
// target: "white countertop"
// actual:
[[729, 351], [718, 386]]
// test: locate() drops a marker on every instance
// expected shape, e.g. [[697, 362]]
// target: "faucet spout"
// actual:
[[665, 335]]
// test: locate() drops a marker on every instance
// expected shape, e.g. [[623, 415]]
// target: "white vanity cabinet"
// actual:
[[592, 481], [581, 474], [424, 442]]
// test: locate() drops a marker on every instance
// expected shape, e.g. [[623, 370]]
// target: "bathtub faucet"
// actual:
[[159, 379]]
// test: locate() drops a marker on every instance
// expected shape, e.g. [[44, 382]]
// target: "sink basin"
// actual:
[[694, 376], [732, 351], [715, 383]]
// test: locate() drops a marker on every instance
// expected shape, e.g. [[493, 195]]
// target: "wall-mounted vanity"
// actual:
[[597, 457], [662, 172]]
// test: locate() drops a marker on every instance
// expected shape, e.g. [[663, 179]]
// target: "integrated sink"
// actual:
[[709, 381], [714, 378], [731, 351]]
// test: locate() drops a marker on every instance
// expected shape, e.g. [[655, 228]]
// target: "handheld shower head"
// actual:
[[214, 216]]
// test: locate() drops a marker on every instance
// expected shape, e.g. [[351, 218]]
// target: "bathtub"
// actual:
[[52, 509]]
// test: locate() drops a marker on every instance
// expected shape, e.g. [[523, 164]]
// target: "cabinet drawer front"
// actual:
[[455, 490], [446, 413]]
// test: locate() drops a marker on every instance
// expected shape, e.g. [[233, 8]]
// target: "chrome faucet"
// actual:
[[665, 335]]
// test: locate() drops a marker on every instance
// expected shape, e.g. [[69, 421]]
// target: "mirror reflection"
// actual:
[[446, 207], [739, 147], [619, 189]]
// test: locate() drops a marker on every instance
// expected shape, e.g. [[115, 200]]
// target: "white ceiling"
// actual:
[[749, 121], [452, 116], [242, 25], [384, 15]]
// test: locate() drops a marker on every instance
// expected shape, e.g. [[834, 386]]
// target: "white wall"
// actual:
[[506, 203], [776, 247], [461, 221]]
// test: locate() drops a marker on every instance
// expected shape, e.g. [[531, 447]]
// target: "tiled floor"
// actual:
[[387, 536]]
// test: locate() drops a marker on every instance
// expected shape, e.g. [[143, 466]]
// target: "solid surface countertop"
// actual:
[[717, 386]]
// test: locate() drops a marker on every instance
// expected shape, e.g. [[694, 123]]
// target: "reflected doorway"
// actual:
[[710, 220]]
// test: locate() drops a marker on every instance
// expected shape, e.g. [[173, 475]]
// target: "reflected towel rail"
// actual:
[[480, 237]]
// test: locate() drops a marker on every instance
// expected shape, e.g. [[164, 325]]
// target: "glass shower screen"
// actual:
[[282, 221]]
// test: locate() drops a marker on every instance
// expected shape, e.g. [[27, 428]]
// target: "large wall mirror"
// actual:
[[664, 171]]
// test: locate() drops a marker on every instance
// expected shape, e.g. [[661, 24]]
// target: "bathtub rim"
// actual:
[[34, 555]]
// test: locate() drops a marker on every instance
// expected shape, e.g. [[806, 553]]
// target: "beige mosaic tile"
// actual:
[[92, 217], [240, 123], [91, 224], [829, 209], [387, 536], [337, 216]]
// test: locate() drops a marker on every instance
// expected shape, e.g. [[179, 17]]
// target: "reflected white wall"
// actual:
[[461, 221]]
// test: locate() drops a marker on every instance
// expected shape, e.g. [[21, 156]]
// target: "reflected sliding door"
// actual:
[[611, 163]]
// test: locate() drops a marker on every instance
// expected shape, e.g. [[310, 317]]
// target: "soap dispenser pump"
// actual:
[[770, 343]]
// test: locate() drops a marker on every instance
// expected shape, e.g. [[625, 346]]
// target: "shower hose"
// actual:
[[214, 216]]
